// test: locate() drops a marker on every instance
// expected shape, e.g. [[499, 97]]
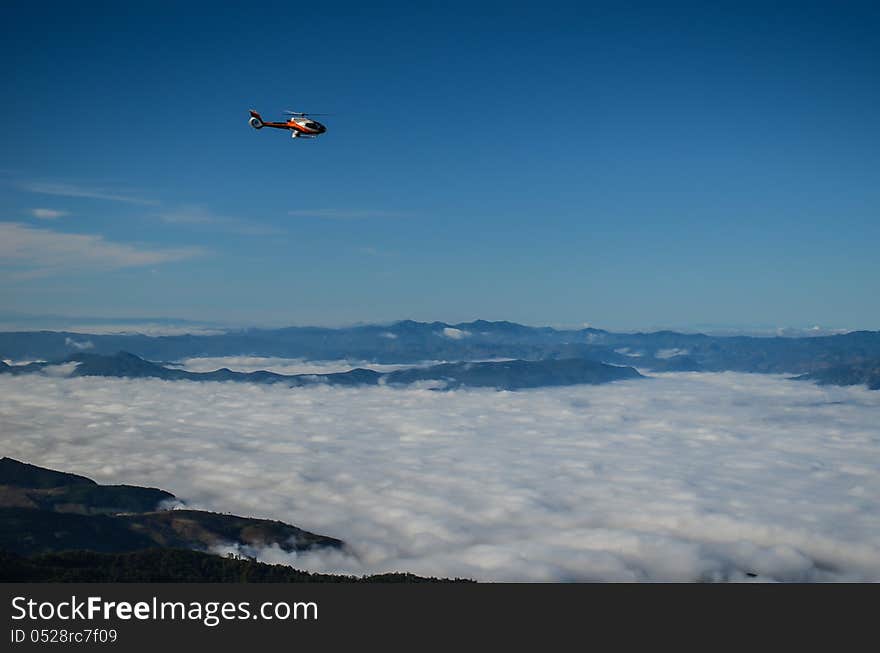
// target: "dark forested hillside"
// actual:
[[168, 566], [43, 511], [59, 527]]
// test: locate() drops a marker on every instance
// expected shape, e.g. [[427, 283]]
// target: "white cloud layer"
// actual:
[[79, 344], [42, 252], [678, 478], [454, 334], [62, 370], [670, 353]]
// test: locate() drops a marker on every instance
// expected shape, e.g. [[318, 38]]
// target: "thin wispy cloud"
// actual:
[[47, 214], [344, 214], [188, 215], [182, 215], [146, 329], [76, 190], [201, 216], [34, 252]]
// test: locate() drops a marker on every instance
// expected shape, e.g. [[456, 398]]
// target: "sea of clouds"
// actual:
[[681, 477]]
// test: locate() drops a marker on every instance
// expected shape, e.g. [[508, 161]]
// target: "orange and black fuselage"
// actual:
[[301, 125]]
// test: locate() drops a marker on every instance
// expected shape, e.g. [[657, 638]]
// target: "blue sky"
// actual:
[[622, 164]]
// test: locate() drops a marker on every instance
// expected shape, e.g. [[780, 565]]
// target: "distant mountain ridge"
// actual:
[[409, 342], [502, 375], [866, 373]]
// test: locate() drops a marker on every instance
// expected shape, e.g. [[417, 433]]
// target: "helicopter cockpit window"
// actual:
[[313, 125]]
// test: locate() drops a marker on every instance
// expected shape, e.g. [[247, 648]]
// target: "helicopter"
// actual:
[[301, 125]]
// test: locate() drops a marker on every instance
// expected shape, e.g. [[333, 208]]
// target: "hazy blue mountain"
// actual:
[[517, 374], [867, 373], [410, 342], [503, 375]]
